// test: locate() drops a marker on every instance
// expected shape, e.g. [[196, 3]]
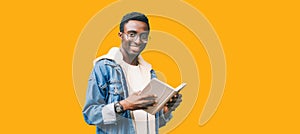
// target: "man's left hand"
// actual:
[[173, 103]]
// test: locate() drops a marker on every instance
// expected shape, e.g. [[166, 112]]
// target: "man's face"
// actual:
[[134, 38]]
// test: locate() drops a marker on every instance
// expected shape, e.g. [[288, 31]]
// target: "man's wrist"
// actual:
[[124, 104]]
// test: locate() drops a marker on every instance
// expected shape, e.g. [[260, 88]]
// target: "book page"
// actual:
[[163, 91]]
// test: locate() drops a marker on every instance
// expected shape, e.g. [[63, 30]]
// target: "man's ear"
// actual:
[[120, 35]]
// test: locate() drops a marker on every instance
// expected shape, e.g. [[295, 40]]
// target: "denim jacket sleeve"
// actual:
[[96, 110]]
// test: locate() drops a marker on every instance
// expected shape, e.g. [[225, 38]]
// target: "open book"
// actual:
[[163, 91]]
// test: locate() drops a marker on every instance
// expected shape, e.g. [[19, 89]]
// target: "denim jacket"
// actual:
[[107, 85]]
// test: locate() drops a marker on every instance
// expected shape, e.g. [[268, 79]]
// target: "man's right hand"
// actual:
[[136, 101]]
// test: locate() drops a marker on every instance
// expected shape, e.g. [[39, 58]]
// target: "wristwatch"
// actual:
[[118, 107]]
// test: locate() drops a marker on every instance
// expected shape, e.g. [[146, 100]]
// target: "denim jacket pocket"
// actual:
[[115, 88]]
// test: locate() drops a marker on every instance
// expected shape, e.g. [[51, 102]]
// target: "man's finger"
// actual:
[[148, 102], [177, 96], [148, 97]]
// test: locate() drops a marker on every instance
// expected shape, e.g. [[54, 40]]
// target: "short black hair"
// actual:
[[133, 16]]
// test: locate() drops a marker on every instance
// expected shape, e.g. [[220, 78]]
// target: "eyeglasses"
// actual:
[[132, 36]]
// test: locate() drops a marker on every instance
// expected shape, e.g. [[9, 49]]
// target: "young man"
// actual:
[[113, 102]]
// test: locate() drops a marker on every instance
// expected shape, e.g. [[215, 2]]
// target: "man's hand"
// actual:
[[136, 101], [173, 103]]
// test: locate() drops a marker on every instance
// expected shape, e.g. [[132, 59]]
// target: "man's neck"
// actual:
[[130, 59]]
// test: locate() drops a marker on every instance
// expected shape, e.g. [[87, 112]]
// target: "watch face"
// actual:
[[118, 107]]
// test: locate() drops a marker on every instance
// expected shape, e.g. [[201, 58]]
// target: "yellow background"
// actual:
[[260, 41]]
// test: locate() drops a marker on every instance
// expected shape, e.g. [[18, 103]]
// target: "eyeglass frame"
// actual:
[[137, 36]]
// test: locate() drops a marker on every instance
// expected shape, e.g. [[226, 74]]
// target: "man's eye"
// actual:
[[132, 35], [144, 36]]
